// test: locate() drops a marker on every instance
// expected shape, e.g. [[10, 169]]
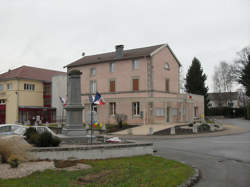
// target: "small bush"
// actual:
[[29, 132], [44, 139], [47, 140], [34, 139], [121, 119], [13, 161], [55, 142], [204, 128]]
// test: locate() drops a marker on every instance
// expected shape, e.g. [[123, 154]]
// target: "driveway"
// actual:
[[223, 160]]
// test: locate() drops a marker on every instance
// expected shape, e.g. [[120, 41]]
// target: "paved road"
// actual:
[[224, 161]]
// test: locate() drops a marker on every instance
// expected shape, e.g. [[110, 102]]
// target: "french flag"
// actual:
[[63, 101], [98, 99]]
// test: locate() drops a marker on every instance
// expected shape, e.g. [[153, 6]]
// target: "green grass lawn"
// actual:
[[132, 171]]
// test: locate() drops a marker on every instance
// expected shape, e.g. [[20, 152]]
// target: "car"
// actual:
[[12, 129]]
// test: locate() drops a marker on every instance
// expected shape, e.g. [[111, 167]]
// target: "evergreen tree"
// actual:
[[244, 78], [195, 81]]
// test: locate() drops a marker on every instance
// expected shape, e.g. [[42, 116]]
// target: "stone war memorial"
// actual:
[[73, 130]]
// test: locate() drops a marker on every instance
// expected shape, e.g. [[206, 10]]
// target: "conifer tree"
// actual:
[[244, 78], [195, 81]]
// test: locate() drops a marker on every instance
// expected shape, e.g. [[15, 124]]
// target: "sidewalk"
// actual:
[[228, 130], [145, 129]]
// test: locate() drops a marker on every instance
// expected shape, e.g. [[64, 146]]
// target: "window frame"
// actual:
[[93, 71], [112, 67], [2, 101], [91, 90], [166, 66], [161, 113], [135, 64], [29, 87], [112, 108], [1, 87], [9, 86], [167, 88], [136, 108]]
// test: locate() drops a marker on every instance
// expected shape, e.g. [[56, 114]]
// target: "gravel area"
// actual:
[[26, 168]]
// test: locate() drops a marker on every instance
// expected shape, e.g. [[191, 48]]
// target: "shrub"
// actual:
[[13, 161], [203, 128], [29, 132], [120, 119], [34, 139], [44, 139], [47, 140], [55, 141]]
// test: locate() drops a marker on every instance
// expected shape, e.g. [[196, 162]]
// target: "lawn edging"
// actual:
[[193, 179]]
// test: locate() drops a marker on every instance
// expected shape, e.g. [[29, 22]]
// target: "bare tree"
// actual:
[[120, 119], [241, 61], [223, 80]]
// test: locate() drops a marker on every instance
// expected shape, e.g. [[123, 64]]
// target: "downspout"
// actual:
[[17, 93]]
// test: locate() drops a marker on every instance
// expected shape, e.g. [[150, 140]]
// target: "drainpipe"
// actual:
[[17, 93]]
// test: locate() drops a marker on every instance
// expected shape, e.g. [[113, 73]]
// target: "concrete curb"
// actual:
[[193, 179]]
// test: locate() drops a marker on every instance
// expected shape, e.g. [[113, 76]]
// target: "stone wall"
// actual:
[[103, 151]]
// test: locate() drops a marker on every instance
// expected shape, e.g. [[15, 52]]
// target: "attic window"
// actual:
[[166, 66]]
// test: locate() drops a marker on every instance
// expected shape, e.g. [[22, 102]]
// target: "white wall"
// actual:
[[59, 88]]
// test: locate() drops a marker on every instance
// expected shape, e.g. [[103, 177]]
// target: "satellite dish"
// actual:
[[83, 54]]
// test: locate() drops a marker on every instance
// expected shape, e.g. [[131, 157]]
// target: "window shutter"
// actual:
[[135, 84], [112, 86]]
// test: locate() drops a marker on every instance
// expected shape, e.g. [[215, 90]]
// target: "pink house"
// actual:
[[142, 83]]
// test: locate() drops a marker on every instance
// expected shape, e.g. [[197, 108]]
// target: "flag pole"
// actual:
[[62, 114], [91, 109]]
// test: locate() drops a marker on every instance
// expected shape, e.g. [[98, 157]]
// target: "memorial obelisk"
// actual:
[[74, 107]]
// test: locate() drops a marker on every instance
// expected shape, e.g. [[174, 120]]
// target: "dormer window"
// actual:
[[166, 66]]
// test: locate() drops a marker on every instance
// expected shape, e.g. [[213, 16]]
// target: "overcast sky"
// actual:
[[53, 33]]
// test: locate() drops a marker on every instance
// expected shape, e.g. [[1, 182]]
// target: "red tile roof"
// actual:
[[32, 73], [107, 57]]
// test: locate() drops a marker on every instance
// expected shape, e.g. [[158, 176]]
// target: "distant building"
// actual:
[[142, 83], [59, 89], [25, 94], [227, 99]]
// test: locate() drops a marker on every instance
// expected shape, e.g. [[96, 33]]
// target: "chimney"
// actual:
[[119, 51]]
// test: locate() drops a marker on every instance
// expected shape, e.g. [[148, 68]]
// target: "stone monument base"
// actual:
[[78, 139], [74, 131]]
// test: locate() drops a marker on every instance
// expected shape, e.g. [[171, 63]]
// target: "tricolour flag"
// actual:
[[99, 99], [63, 101]]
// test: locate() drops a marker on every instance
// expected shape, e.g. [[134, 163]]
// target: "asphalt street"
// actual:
[[224, 161]]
